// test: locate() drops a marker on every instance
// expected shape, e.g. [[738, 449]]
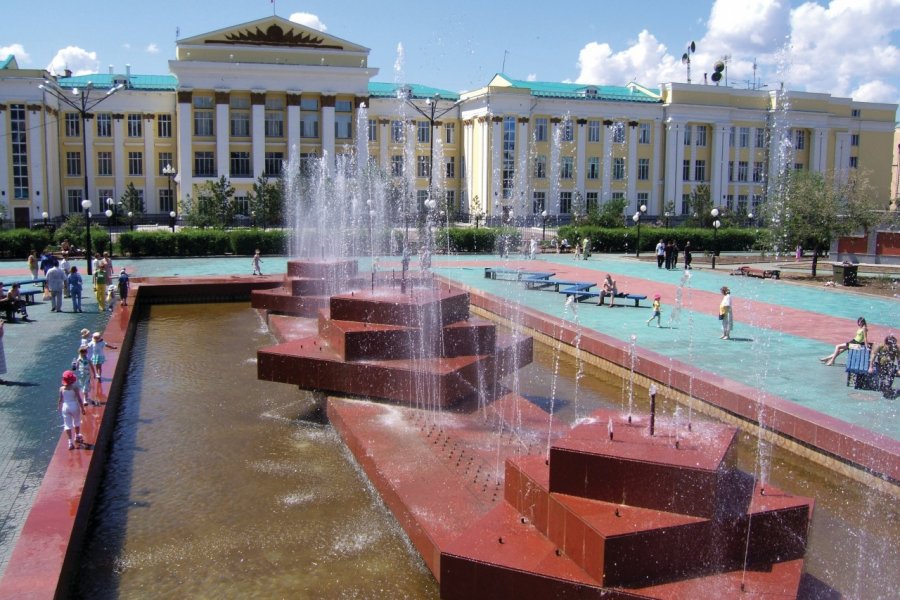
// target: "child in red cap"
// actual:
[[657, 312], [70, 407]]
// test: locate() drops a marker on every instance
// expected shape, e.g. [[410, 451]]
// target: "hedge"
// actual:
[[482, 239], [623, 239], [201, 242]]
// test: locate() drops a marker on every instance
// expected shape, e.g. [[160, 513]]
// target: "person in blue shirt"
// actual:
[[75, 283]]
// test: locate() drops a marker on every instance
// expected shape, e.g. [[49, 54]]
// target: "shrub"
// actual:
[[246, 241], [623, 239], [18, 243]]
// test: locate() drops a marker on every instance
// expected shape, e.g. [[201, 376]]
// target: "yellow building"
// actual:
[[238, 101]]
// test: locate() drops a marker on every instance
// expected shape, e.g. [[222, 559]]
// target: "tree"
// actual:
[[699, 205], [811, 209], [266, 201], [214, 204], [610, 214], [132, 201]]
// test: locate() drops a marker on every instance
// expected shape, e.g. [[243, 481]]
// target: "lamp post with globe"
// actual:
[[86, 205], [637, 219], [714, 213]]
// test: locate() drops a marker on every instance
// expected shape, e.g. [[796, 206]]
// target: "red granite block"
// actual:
[[333, 269]]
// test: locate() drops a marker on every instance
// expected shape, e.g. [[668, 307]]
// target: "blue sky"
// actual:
[[844, 47]]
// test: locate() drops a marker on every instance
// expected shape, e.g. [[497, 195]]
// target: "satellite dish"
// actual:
[[716, 77], [693, 47], [685, 59], [719, 66]]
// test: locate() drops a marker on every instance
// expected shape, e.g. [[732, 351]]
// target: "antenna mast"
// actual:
[[686, 58]]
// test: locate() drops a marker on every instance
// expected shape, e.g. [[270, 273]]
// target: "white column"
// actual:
[[496, 162], [293, 127], [39, 201], [841, 156], [258, 135], [818, 152], [150, 168], [185, 150], [120, 166], [719, 166], [384, 136], [222, 134], [631, 174], [671, 158], [581, 157], [522, 173], [605, 184], [679, 166], [5, 181], [656, 196], [51, 139], [328, 132]]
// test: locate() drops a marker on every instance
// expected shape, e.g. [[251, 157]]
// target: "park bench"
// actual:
[[748, 271], [580, 290], [29, 295], [635, 297], [513, 274], [858, 367]]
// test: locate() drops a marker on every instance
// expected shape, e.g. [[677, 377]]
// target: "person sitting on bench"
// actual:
[[861, 338], [610, 289], [12, 303], [883, 365]]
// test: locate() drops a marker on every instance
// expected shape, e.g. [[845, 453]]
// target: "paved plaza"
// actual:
[[781, 329]]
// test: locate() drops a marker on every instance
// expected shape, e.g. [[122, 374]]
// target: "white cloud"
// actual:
[[152, 48], [18, 50], [308, 19], [78, 60], [126, 46], [842, 47], [531, 77]]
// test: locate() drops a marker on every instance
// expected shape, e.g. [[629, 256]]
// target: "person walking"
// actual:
[[56, 281], [100, 281], [124, 284], [75, 284], [688, 257], [95, 268], [71, 407], [660, 254], [33, 264], [98, 355], [82, 368], [726, 313], [675, 254], [668, 255], [65, 266], [586, 248], [657, 311], [257, 262], [86, 343]]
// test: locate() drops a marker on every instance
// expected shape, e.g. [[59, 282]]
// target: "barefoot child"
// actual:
[[86, 343], [97, 353], [257, 269], [83, 370], [657, 313], [70, 407]]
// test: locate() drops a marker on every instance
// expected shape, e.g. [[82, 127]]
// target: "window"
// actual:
[[855, 112], [730, 170], [163, 159], [104, 125], [686, 170], [450, 167], [593, 131], [644, 133], [204, 164], [135, 163], [308, 162], [591, 201], [309, 125], [274, 126], [729, 202], [687, 135], [343, 106], [643, 198], [166, 201], [397, 165], [854, 139], [104, 195], [854, 162], [164, 126], [449, 133], [744, 138], [135, 126], [421, 198], [240, 122], [509, 155], [731, 137], [538, 202], [450, 200], [372, 130], [593, 167], [540, 166], [743, 166], [273, 164], [760, 137], [758, 167], [643, 170], [343, 126], [239, 165], [566, 168], [203, 123], [73, 164], [309, 104], [685, 204], [618, 195], [19, 138], [104, 163], [540, 129], [423, 166], [397, 131], [423, 132], [798, 166], [618, 133], [568, 131], [701, 135], [73, 125], [800, 139], [755, 201], [565, 202], [700, 170], [618, 168], [73, 200], [742, 203]]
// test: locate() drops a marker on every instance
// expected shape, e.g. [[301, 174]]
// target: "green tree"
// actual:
[[266, 201], [132, 201], [610, 214], [213, 205], [813, 209], [699, 205]]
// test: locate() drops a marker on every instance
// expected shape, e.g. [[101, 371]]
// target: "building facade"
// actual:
[[239, 101]]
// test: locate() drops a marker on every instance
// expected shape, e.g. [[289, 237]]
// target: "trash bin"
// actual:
[[845, 274]]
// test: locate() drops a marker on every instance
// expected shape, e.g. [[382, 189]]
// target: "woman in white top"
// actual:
[[725, 313], [71, 407]]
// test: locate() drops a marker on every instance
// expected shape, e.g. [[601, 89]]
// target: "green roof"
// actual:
[[9, 61], [550, 89], [379, 89], [135, 82]]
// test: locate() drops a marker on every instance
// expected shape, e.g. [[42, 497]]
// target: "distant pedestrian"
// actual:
[[257, 263], [56, 281], [75, 284], [577, 250], [688, 257], [586, 248], [98, 355], [726, 314], [65, 266], [675, 254], [660, 254], [95, 268], [33, 264], [798, 253], [2, 355], [532, 248], [124, 284], [668, 255], [657, 311], [71, 407], [100, 282]]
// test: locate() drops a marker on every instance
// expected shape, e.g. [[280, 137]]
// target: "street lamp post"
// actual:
[[86, 205], [543, 225], [749, 219], [82, 103], [112, 204], [131, 220], [46, 216], [172, 216], [714, 213], [170, 173], [637, 219], [109, 214], [667, 214]]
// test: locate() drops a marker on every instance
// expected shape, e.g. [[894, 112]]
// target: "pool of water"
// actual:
[[218, 485]]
